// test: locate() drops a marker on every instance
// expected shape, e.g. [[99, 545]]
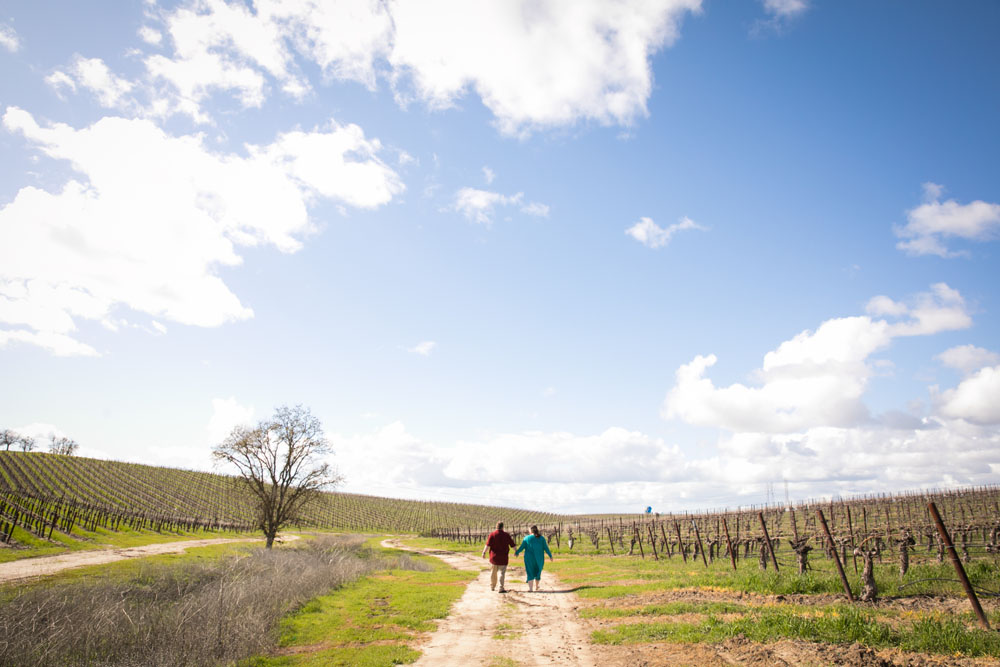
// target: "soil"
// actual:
[[528, 628], [29, 568], [954, 605]]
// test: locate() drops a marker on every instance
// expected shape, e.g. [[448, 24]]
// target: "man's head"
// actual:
[[499, 525]]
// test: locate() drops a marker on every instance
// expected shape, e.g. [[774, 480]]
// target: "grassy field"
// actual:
[[636, 600], [373, 621]]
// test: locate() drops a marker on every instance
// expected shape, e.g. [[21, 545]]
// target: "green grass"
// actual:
[[506, 631], [499, 661], [371, 621], [937, 633], [602, 577], [667, 609]]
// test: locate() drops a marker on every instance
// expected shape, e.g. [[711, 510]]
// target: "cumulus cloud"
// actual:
[[652, 235], [816, 379], [929, 225], [480, 205], [976, 398], [423, 348], [620, 469], [94, 75], [803, 420], [615, 455], [561, 62], [968, 358], [9, 39], [147, 220]]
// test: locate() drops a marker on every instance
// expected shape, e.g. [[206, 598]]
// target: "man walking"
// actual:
[[498, 544]]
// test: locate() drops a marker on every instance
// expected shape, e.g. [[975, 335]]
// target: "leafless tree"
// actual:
[[27, 443], [280, 462], [64, 446], [8, 438]]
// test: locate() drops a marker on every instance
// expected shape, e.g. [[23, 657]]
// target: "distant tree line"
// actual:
[[57, 445]]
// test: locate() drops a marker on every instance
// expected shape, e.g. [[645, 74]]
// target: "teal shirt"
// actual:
[[534, 549]]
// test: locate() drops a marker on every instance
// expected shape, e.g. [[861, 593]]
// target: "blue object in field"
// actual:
[[648, 510]]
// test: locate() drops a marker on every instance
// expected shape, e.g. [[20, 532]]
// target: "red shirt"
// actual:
[[499, 542]]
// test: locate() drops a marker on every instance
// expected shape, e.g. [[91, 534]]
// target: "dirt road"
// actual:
[[39, 567], [489, 628]]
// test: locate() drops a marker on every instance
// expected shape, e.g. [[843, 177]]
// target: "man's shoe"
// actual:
[[502, 590]]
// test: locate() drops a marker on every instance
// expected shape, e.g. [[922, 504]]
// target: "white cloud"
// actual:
[[59, 80], [9, 39], [816, 379], [150, 35], [652, 235], [785, 8], [423, 348], [488, 175], [226, 414], [968, 358], [58, 344], [93, 74], [154, 217], [624, 470], [560, 63], [616, 454], [929, 225], [479, 205], [391, 455], [976, 398]]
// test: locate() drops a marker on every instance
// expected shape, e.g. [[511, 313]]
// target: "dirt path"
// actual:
[[489, 628], [39, 567]]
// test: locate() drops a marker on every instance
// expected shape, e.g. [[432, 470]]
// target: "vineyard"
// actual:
[[44, 493], [862, 537]]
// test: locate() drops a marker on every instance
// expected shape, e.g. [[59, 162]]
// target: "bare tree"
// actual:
[[280, 461], [64, 446], [8, 438], [27, 443]]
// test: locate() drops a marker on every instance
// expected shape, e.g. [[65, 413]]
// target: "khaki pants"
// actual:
[[502, 569]]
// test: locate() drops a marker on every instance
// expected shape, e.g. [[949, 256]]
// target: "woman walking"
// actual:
[[534, 547]]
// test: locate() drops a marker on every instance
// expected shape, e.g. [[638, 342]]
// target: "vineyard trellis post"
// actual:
[[969, 590], [729, 542], [836, 557], [767, 540]]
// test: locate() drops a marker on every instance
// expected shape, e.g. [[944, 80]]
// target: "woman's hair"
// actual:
[[534, 531]]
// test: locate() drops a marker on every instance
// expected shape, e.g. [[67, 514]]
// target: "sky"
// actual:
[[583, 256]]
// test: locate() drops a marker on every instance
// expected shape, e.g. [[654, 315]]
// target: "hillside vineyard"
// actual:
[[43, 493]]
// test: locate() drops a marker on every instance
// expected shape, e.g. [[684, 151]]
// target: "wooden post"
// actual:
[[701, 547], [680, 542], [611, 540], [767, 540], [836, 556], [850, 528], [652, 540], [959, 570], [732, 554]]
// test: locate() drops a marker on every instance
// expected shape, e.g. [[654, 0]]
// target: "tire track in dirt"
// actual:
[[30, 568], [484, 627]]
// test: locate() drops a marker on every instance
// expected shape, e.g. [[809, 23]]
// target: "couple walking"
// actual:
[[534, 547]]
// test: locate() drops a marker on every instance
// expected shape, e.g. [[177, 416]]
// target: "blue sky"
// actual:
[[585, 256]]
